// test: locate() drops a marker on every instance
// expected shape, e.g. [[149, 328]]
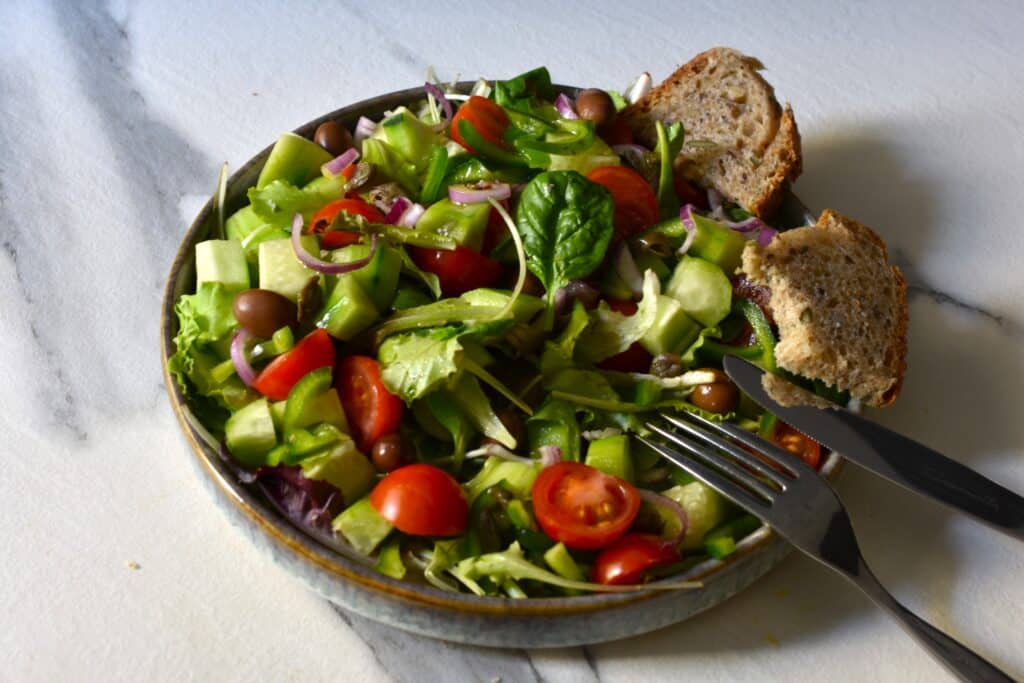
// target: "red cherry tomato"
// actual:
[[371, 409], [421, 500], [459, 270], [315, 350], [489, 119], [636, 206], [687, 193], [797, 444], [583, 507], [633, 359], [627, 560], [340, 238]]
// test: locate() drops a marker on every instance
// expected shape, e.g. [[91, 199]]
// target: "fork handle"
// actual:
[[959, 659]]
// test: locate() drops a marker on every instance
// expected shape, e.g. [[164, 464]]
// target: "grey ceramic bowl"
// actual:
[[346, 580]]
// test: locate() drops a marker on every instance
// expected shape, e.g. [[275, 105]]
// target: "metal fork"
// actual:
[[803, 508]]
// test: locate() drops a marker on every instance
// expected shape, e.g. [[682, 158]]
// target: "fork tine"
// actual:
[[710, 457], [772, 451], [713, 459], [729, 447], [727, 487]]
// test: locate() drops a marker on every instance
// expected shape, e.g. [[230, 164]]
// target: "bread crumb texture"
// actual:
[[740, 140], [840, 307]]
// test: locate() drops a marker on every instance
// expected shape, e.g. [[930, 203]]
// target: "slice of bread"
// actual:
[[720, 97], [841, 309]]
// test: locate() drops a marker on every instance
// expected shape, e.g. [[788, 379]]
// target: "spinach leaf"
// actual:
[[526, 92], [566, 224]]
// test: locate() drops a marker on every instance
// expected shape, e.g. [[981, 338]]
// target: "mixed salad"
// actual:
[[429, 340]]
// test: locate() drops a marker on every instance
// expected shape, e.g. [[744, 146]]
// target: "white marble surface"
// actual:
[[113, 120]]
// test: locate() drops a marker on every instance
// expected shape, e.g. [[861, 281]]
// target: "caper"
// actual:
[[333, 137], [262, 312], [595, 105]]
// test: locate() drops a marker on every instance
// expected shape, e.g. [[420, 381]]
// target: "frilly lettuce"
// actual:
[[610, 333]]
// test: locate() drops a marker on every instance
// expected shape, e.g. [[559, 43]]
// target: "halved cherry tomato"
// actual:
[[489, 119], [636, 206], [625, 561], [633, 359], [798, 444], [583, 507], [422, 500], [459, 270], [371, 409], [617, 132], [315, 350], [339, 238], [687, 193]]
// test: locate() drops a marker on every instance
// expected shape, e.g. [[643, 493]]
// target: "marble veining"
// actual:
[[113, 116]]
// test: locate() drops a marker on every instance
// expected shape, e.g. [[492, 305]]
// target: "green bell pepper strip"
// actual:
[[302, 443], [572, 137], [485, 148], [762, 331], [526, 124], [302, 394], [433, 182]]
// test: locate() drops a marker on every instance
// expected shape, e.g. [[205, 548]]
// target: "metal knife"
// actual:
[[892, 456]]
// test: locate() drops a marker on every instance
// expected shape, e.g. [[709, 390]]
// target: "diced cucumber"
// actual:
[[222, 261], [362, 526], [323, 409], [465, 224], [611, 456], [242, 223], [672, 330], [379, 277], [410, 137], [717, 243], [344, 467], [250, 433], [703, 290], [705, 509], [348, 311], [281, 271], [295, 159]]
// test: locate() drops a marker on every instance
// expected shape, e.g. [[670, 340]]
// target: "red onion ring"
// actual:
[[766, 235], [629, 148], [748, 225], [335, 166], [326, 267], [627, 269], [364, 129], [439, 95], [565, 107], [549, 455], [479, 193], [412, 216], [399, 207], [241, 363], [661, 501], [686, 216]]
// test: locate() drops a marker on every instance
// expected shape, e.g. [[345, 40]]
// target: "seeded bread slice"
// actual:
[[840, 307], [720, 98]]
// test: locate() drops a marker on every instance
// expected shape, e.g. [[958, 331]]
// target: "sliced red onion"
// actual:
[[627, 269], [675, 508], [241, 363], [364, 129], [397, 209], [326, 267], [549, 455], [335, 166], [498, 451], [631, 148], [748, 225], [412, 216], [439, 95], [690, 226], [576, 290], [479, 193], [566, 108], [766, 235]]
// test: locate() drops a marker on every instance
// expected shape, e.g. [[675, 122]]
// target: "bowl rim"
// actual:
[[288, 537]]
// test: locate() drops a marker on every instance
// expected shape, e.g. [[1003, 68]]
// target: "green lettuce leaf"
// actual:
[[558, 354], [279, 200], [610, 333], [474, 404], [415, 363]]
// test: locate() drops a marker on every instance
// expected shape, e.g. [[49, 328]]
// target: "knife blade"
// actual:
[[893, 456]]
